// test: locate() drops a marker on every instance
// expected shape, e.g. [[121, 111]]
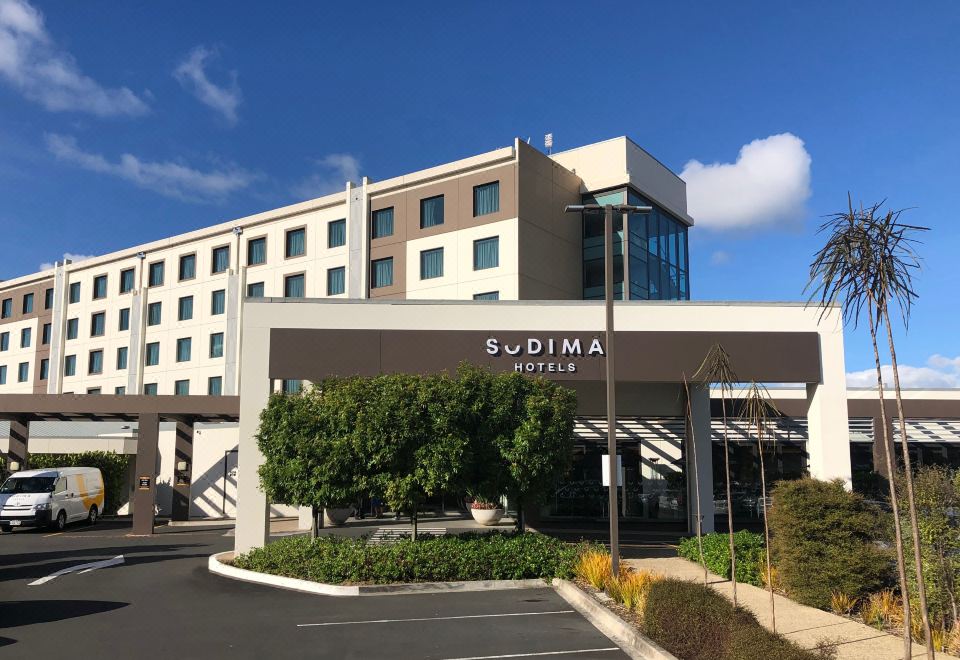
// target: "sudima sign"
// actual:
[[563, 351]]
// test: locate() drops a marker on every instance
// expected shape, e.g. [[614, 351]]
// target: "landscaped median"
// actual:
[[336, 565]]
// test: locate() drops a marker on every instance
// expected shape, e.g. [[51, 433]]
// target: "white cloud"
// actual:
[[940, 371], [719, 258], [47, 74], [767, 186], [67, 255], [332, 174], [166, 178], [192, 76]]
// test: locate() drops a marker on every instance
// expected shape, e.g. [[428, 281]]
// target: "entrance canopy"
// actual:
[[148, 411]]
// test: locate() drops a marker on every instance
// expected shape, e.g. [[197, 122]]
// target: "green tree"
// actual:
[[308, 443], [521, 434], [412, 440]]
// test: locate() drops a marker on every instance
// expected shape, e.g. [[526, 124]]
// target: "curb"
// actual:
[[217, 565], [622, 633]]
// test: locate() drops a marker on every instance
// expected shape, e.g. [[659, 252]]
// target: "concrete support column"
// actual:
[[699, 439], [828, 443], [253, 513], [183, 453], [145, 493], [17, 449]]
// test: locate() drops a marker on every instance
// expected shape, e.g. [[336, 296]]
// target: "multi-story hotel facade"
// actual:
[[169, 317], [164, 317]]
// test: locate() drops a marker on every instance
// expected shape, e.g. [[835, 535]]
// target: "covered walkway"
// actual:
[[148, 411]]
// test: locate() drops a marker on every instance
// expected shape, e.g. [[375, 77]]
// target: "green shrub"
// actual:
[[716, 554], [695, 622], [113, 466], [339, 560], [825, 539]]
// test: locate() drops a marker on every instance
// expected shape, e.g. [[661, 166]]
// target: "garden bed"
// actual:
[[468, 557]]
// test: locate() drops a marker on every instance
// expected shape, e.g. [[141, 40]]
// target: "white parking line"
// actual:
[[83, 568], [432, 618], [542, 653]]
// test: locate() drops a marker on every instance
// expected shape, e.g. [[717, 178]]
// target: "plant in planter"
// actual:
[[485, 511]]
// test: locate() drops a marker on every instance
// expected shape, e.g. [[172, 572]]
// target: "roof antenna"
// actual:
[[528, 139], [548, 143]]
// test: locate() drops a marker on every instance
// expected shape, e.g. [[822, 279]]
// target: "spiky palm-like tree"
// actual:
[[758, 410], [867, 263], [696, 477], [716, 369]]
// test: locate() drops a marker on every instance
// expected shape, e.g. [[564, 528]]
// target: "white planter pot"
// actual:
[[337, 517], [487, 516]]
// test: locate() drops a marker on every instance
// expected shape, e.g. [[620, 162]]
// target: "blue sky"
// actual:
[[126, 122]]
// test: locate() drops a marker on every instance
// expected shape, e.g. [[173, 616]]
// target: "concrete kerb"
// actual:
[[627, 637], [619, 631], [219, 565]]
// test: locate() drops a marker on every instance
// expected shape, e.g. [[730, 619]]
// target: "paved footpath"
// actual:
[[807, 626]]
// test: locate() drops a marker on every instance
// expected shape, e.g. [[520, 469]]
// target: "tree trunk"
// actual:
[[413, 522], [696, 480], [908, 474], [726, 462], [521, 522], [894, 502], [766, 531], [313, 523]]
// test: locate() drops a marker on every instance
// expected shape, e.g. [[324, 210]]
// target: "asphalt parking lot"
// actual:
[[97, 592]]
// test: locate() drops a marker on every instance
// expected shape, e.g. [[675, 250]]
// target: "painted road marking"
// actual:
[[83, 568], [432, 618], [608, 649]]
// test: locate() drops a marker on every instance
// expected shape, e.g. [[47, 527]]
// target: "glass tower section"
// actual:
[[653, 248]]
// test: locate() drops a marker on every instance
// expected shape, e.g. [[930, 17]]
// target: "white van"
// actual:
[[51, 497]]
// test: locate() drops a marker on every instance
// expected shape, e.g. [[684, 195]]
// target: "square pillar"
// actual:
[[828, 426], [19, 439], [699, 442], [253, 513], [145, 486], [183, 453]]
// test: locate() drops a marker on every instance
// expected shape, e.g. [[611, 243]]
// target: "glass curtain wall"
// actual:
[[656, 251], [593, 248]]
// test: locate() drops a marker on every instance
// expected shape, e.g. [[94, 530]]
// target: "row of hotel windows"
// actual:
[[6, 305], [295, 246], [95, 358], [486, 200], [486, 254], [180, 387]]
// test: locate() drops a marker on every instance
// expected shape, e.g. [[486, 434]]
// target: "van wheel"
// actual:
[[92, 518], [61, 522]]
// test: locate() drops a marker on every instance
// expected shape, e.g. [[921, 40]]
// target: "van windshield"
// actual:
[[28, 485]]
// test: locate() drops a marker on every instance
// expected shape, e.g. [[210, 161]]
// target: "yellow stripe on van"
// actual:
[[89, 501]]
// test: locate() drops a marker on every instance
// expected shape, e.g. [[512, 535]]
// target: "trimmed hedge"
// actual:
[[695, 622], [825, 539], [112, 466], [716, 554], [476, 556]]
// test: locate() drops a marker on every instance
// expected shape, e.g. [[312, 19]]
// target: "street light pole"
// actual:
[[612, 508]]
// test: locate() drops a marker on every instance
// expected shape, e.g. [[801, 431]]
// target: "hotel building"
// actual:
[[168, 317]]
